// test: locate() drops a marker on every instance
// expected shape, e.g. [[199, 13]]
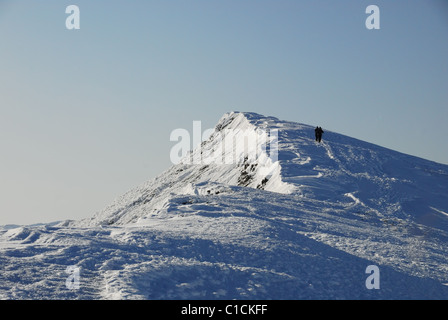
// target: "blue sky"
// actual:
[[87, 114]]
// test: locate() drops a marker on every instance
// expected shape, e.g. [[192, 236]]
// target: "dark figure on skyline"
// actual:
[[318, 131]]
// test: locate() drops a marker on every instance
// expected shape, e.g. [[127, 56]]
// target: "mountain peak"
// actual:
[[247, 149]]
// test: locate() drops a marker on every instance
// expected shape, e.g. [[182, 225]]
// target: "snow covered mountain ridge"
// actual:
[[340, 169], [285, 218]]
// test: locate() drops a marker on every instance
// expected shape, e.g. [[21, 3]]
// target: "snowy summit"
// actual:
[[277, 215]]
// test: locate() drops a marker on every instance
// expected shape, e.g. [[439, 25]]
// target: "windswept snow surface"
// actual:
[[304, 227]]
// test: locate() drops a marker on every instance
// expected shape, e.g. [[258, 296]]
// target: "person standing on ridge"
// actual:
[[318, 131]]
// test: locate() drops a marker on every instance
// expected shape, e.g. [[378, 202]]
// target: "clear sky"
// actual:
[[86, 115]]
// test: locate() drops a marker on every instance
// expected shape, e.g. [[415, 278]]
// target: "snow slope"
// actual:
[[303, 227]]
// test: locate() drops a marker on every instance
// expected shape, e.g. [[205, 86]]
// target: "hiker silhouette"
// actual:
[[318, 132]]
